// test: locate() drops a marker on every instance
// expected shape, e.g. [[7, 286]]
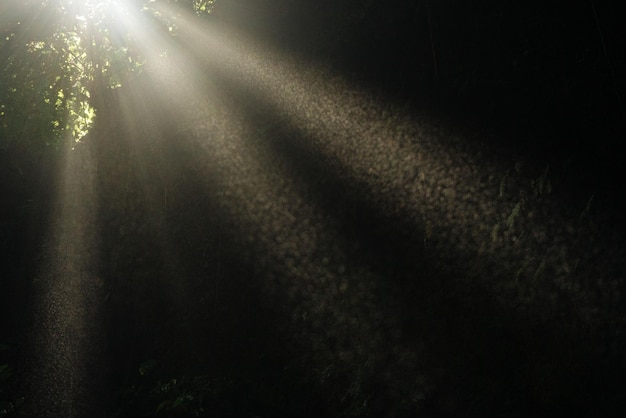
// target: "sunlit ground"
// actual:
[[490, 226]]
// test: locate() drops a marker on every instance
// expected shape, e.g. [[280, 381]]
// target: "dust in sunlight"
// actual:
[[406, 168]]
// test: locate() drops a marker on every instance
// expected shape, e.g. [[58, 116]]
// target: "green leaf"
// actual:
[[146, 366], [181, 399]]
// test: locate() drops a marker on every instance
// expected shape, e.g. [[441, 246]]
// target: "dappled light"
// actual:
[[226, 226]]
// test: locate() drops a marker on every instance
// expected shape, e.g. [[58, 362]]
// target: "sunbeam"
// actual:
[[303, 260], [457, 200], [66, 348], [67, 330], [456, 192], [238, 230]]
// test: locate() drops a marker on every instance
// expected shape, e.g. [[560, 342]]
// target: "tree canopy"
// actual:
[[56, 54]]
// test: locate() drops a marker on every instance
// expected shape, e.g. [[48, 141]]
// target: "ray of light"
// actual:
[[471, 204], [455, 196], [67, 328], [302, 256], [472, 209], [66, 348]]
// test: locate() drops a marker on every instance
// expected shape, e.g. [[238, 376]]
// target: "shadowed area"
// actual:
[[249, 230]]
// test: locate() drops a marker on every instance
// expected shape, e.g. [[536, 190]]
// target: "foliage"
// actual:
[[45, 91], [55, 55]]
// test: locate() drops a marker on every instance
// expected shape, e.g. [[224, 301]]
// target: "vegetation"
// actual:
[[55, 56]]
